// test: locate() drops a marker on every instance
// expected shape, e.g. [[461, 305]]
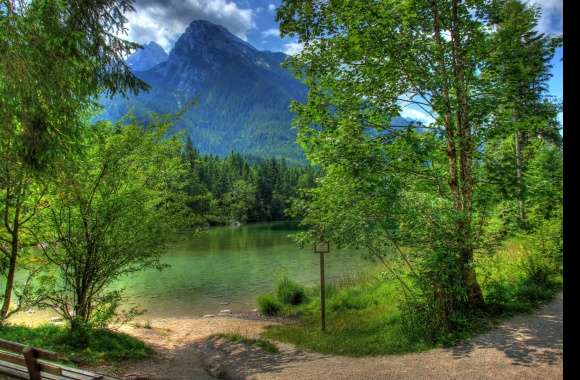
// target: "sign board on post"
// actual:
[[322, 247]]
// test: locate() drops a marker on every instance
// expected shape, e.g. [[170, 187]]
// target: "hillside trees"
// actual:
[[242, 189]]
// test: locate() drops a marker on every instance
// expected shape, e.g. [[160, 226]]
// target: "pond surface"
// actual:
[[228, 267]]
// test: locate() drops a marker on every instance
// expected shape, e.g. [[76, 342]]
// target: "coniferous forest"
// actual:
[[241, 189]]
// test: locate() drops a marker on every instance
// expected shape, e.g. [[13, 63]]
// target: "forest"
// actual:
[[241, 189], [461, 218]]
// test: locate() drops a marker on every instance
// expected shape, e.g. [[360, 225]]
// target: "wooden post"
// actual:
[[321, 248], [30, 356], [322, 296]]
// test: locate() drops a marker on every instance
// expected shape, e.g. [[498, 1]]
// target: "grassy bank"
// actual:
[[104, 346], [362, 318], [364, 312]]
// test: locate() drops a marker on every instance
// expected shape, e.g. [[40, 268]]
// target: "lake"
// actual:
[[225, 268], [228, 267]]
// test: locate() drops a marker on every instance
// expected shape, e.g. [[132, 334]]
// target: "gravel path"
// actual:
[[525, 347]]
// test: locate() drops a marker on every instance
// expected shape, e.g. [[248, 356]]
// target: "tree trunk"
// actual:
[[10, 277], [519, 177], [15, 245], [466, 151]]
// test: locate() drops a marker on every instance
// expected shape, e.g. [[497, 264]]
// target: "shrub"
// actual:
[[268, 305], [350, 299], [289, 292]]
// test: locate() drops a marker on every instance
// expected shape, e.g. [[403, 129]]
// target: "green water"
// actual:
[[227, 267]]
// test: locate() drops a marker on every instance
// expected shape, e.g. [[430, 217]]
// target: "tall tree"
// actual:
[[362, 60], [116, 207], [56, 56], [521, 66]]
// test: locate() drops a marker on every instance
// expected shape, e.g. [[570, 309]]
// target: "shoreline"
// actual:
[[525, 346]]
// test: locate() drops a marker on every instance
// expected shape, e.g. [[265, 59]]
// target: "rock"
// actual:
[[255, 310], [136, 376], [208, 316], [225, 311], [224, 303]]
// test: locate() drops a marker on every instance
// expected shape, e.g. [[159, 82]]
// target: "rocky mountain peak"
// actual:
[[150, 55], [205, 40]]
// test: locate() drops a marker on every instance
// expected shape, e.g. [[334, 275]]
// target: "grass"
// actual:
[[268, 305], [507, 284], [364, 317], [239, 338], [105, 346]]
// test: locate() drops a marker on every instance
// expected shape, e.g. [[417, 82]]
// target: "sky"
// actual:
[[163, 21]]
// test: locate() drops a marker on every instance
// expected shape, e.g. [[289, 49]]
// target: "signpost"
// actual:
[[321, 248]]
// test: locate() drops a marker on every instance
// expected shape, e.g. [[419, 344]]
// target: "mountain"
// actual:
[[241, 95], [150, 55]]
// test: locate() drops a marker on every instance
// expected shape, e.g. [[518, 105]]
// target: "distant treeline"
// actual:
[[241, 188]]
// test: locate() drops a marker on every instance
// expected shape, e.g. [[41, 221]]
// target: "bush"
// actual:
[[268, 305], [288, 292], [351, 299]]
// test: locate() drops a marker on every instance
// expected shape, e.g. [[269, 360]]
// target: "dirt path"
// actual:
[[177, 346], [526, 347]]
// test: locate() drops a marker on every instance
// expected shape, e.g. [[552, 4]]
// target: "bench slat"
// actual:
[[18, 347], [12, 362], [17, 359]]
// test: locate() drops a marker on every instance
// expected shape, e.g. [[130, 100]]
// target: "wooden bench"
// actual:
[[25, 362]]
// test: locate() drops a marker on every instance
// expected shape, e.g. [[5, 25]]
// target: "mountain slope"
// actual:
[[242, 95], [150, 55]]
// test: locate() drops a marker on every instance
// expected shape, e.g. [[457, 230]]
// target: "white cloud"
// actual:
[[293, 48], [163, 21], [271, 7], [274, 32], [552, 20], [415, 114]]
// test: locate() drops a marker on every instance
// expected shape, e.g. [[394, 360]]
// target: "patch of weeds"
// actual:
[[268, 305]]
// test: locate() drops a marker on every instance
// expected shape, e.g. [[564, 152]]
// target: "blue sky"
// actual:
[[254, 21]]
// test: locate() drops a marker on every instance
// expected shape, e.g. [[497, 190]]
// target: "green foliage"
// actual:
[[113, 211], [268, 305], [424, 200], [102, 346], [363, 318], [56, 56], [370, 313], [289, 292]]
